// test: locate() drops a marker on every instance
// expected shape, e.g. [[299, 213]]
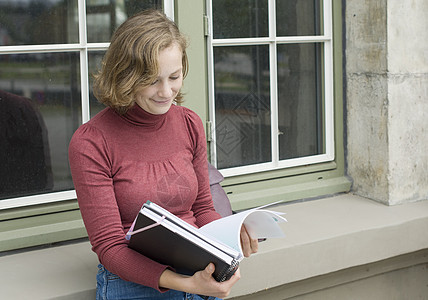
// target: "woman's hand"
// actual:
[[201, 283], [249, 245], [208, 286]]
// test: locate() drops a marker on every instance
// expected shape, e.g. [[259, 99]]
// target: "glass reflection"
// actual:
[[104, 16], [242, 105], [299, 100], [298, 17], [40, 108], [30, 22], [240, 18]]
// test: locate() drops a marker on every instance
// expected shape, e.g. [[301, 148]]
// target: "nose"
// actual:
[[165, 90]]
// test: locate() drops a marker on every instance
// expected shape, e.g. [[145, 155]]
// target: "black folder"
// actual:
[[167, 239]]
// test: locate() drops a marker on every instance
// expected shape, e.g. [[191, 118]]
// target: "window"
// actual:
[[48, 50], [271, 98], [270, 87]]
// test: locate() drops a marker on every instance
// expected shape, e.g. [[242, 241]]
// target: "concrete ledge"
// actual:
[[333, 234], [64, 272], [400, 277], [323, 236]]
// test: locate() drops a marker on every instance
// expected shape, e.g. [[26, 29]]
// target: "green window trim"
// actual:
[[41, 229]]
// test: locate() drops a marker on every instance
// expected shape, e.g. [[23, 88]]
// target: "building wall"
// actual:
[[387, 99]]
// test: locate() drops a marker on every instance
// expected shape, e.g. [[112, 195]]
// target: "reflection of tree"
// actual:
[[36, 22], [56, 21], [8, 22], [237, 18], [134, 6], [297, 17], [48, 24]]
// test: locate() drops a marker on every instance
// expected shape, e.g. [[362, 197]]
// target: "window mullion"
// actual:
[[274, 103], [211, 87], [84, 74], [168, 7], [84, 84], [273, 83], [328, 67]]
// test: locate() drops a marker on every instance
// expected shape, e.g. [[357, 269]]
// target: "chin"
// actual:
[[161, 110]]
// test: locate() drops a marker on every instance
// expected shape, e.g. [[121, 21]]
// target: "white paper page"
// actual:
[[264, 224], [259, 223]]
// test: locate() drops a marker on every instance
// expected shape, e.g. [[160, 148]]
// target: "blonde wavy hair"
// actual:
[[131, 62]]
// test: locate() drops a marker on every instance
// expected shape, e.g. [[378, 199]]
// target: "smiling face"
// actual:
[[158, 97]]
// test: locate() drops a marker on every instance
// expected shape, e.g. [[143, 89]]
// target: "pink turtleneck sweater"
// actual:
[[119, 162]]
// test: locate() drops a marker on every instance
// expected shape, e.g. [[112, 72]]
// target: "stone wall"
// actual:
[[387, 99]]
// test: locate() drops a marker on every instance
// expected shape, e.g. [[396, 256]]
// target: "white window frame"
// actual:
[[327, 41], [83, 47]]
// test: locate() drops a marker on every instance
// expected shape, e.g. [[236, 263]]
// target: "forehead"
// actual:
[[170, 59]]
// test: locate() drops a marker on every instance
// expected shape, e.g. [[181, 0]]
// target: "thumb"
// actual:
[[209, 270]]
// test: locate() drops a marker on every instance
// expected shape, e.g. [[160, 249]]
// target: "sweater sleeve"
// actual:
[[203, 207], [90, 163]]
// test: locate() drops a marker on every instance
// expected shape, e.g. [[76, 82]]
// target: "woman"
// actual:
[[143, 147]]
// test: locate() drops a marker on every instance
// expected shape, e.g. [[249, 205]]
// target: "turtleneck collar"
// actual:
[[138, 116]]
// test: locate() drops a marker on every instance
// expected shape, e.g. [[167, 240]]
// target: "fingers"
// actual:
[[226, 286], [249, 245], [236, 276], [209, 270], [206, 285]]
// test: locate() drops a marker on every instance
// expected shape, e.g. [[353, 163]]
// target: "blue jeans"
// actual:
[[112, 287]]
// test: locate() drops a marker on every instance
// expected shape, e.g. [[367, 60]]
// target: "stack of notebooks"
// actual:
[[165, 238]]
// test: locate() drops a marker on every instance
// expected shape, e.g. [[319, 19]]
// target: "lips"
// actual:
[[161, 102]]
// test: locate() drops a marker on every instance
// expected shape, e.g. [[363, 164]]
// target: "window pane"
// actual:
[[38, 22], [242, 102], [39, 111], [298, 17], [103, 16], [240, 18], [94, 59], [299, 100]]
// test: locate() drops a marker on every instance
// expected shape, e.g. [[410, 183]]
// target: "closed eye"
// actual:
[[175, 75]]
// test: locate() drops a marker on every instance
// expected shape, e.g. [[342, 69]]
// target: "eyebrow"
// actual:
[[179, 70]]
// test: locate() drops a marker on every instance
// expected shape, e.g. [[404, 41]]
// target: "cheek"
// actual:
[[145, 93], [177, 85]]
